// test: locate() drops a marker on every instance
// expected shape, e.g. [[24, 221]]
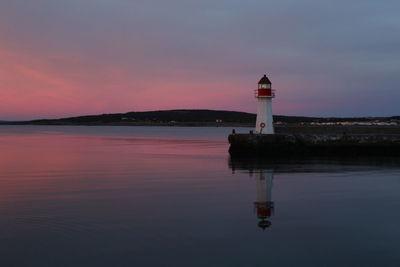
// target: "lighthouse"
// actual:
[[264, 95]]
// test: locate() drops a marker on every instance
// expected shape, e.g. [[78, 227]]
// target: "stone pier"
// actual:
[[272, 145]]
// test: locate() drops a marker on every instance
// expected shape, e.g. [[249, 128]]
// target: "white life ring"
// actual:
[[262, 125]]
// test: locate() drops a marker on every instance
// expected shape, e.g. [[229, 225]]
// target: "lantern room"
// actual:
[[264, 88]]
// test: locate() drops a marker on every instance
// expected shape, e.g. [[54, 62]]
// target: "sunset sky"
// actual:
[[324, 58]]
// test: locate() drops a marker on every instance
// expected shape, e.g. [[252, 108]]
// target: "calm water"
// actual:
[[160, 196]]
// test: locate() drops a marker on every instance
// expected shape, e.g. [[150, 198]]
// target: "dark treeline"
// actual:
[[190, 116]]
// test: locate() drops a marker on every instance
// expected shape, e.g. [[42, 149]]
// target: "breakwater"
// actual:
[[314, 144]]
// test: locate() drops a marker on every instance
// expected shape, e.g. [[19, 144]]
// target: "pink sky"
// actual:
[[78, 58], [52, 86]]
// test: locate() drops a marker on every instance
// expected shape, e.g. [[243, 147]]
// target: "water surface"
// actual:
[[171, 196]]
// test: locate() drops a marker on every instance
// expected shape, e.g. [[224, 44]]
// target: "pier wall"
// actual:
[[314, 144]]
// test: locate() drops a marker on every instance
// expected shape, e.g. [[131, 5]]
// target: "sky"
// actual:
[[80, 57]]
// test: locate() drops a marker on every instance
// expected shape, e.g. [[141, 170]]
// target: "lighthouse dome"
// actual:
[[264, 80]]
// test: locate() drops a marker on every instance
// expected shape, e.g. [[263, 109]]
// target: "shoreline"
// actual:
[[291, 129]]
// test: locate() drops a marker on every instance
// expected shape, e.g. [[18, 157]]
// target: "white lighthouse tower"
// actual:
[[264, 95]]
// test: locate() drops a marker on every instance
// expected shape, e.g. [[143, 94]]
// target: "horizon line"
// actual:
[[166, 110]]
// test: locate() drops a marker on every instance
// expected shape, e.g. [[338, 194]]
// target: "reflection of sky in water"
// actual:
[[71, 198]]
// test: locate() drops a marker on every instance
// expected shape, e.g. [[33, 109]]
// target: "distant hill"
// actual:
[[191, 117], [156, 117]]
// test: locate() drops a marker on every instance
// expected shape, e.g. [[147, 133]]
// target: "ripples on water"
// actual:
[[171, 196]]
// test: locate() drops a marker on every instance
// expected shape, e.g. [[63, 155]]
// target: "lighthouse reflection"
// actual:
[[263, 180], [263, 205]]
